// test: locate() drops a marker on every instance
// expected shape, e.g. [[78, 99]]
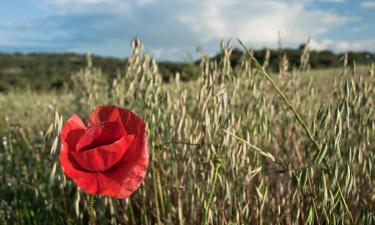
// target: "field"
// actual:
[[239, 145]]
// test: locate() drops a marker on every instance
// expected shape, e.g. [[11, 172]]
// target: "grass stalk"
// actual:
[[283, 96], [208, 204]]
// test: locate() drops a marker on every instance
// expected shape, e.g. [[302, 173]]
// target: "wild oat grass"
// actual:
[[237, 146]]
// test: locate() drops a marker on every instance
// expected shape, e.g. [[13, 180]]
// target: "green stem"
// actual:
[[286, 101], [92, 220], [296, 115], [207, 208]]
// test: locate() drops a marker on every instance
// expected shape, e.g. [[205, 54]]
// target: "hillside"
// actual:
[[46, 71]]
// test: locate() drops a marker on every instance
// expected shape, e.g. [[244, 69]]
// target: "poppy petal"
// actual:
[[103, 157], [125, 177], [131, 122], [73, 129], [99, 134]]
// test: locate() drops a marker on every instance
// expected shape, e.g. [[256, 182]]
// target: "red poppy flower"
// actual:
[[110, 156]]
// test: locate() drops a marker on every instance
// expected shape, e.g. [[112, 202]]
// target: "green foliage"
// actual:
[[42, 71]]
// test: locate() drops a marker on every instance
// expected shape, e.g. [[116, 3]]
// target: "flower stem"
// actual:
[[92, 220]]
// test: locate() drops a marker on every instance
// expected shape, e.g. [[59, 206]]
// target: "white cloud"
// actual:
[[145, 2], [343, 45], [359, 28], [331, 1], [368, 4], [166, 52], [367, 44], [258, 22], [321, 45], [172, 27], [87, 6], [121, 7], [3, 41]]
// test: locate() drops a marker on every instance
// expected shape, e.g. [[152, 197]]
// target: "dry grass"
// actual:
[[224, 149]]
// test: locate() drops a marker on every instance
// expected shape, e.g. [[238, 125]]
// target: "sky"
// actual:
[[174, 29]]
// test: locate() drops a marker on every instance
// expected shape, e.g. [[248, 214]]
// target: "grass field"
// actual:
[[228, 148]]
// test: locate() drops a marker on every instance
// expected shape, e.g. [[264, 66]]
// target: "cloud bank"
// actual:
[[173, 28], [368, 4]]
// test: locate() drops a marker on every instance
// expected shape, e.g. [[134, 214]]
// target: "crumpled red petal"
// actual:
[[122, 179], [73, 129], [99, 134], [103, 157], [125, 177], [131, 122]]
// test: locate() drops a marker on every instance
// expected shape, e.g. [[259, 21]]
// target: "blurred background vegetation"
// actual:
[[47, 71]]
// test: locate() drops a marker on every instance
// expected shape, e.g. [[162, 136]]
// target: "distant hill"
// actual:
[[318, 59], [45, 71]]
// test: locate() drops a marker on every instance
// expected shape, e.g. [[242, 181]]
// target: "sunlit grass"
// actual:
[[224, 149]]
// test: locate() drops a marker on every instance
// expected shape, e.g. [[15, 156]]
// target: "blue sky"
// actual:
[[173, 29]]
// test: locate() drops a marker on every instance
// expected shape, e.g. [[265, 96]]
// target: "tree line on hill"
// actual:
[[46, 71]]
